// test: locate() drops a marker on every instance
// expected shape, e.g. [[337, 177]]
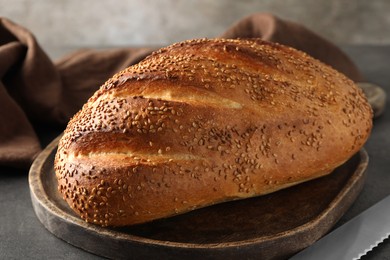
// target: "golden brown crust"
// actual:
[[206, 121]]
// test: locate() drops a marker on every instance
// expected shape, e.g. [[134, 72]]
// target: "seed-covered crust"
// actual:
[[203, 122]]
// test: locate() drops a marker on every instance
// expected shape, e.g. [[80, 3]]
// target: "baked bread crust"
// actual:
[[206, 121]]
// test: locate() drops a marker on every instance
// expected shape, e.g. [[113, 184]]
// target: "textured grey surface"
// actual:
[[22, 236], [136, 22]]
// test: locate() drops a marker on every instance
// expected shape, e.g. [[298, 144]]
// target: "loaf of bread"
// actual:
[[203, 122]]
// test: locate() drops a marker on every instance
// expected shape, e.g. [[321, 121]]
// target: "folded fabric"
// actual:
[[34, 90]]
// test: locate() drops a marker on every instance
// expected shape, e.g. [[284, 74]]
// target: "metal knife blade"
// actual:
[[355, 238]]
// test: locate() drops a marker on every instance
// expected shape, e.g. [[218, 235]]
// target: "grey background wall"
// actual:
[[137, 22]]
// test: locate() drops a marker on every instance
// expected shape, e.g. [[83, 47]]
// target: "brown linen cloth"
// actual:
[[34, 90]]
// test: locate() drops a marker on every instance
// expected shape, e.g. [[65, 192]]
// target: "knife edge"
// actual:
[[355, 238], [381, 240]]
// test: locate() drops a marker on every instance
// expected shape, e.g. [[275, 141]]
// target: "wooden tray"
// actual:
[[274, 226]]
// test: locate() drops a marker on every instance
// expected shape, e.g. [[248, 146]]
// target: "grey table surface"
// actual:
[[22, 236]]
